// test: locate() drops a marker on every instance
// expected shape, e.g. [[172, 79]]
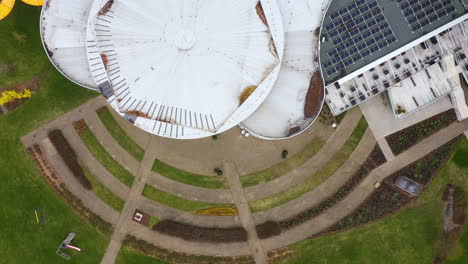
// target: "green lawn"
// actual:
[[22, 187], [176, 202], [284, 167], [103, 193], [119, 135], [412, 236], [211, 182], [316, 179], [128, 256], [105, 158]]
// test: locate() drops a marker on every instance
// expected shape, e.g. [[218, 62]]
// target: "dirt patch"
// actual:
[[32, 84], [261, 13], [279, 254], [151, 250], [314, 96]]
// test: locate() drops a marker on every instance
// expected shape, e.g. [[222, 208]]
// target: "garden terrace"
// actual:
[[329, 202], [103, 193], [211, 182], [408, 137], [177, 202], [201, 234], [316, 179], [284, 167], [119, 134], [68, 155], [104, 157]]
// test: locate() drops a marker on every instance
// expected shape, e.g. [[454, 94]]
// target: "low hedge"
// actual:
[[268, 229], [201, 234], [69, 156]]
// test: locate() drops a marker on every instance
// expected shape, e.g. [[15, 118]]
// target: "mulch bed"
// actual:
[[314, 96], [280, 254], [33, 85], [151, 250], [268, 229], [59, 187], [423, 170], [201, 234], [408, 137], [80, 127], [347, 188], [69, 156]]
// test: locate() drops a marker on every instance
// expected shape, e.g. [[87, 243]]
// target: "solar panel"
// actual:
[[354, 31], [422, 13]]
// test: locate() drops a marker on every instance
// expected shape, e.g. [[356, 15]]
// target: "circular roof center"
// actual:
[[185, 39]]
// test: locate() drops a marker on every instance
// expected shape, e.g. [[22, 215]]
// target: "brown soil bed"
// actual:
[[69, 156], [314, 96], [32, 85], [408, 137], [279, 254], [59, 187], [201, 234], [151, 250], [268, 229]]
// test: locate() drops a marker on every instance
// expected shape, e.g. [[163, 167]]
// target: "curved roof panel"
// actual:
[[283, 114], [63, 32]]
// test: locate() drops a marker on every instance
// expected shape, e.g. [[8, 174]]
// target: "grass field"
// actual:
[[22, 187], [284, 167], [119, 135], [103, 193], [314, 180], [176, 202], [128, 256], [409, 237], [105, 158], [211, 182]]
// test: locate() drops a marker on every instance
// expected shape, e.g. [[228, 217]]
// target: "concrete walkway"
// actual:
[[311, 166], [256, 247], [365, 188], [387, 151], [122, 226]]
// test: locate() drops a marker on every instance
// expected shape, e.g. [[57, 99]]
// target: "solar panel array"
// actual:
[[356, 31], [419, 13]]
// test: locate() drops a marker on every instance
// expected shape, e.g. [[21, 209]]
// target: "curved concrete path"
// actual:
[[189, 192], [326, 189], [298, 175], [365, 188]]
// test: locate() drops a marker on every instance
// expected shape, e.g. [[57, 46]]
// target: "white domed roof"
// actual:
[[185, 63]]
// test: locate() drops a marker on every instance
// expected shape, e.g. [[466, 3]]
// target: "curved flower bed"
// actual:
[[408, 137], [374, 160]]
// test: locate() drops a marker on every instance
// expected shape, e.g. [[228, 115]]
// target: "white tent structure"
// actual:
[[190, 68]]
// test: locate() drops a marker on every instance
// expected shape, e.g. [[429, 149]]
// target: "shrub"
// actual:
[[68, 155], [10, 96], [268, 229], [218, 171], [202, 234], [284, 154]]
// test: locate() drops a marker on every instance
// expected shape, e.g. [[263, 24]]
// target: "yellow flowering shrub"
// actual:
[[218, 211], [10, 96]]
